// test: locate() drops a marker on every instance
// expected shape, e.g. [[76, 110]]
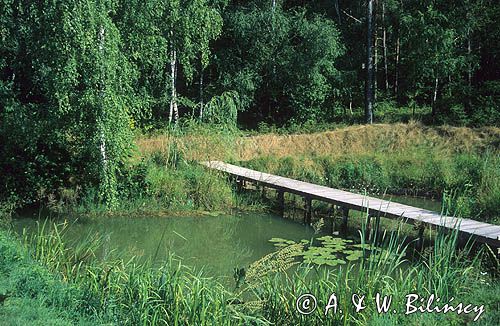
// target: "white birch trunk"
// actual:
[[434, 98], [375, 52], [469, 52], [396, 76], [102, 136], [174, 112]]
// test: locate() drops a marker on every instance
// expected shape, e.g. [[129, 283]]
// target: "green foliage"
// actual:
[[68, 104], [281, 62], [77, 78], [223, 109], [151, 30], [441, 271]]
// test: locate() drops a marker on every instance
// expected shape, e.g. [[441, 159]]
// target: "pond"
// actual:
[[218, 244]]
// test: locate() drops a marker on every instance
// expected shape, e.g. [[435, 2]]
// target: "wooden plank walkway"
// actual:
[[482, 232]]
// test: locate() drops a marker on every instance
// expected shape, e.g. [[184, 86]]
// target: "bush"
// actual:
[[10, 254], [207, 189], [32, 281]]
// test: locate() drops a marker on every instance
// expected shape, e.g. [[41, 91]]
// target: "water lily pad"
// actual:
[[362, 245], [277, 240], [353, 257], [332, 263]]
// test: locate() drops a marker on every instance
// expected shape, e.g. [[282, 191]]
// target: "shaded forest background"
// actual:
[[78, 77]]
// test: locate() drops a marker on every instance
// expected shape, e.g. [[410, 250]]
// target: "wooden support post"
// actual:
[[307, 210], [239, 184], [420, 241], [281, 202], [331, 217], [345, 216], [263, 191]]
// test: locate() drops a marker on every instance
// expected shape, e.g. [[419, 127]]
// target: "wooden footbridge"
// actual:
[[482, 232]]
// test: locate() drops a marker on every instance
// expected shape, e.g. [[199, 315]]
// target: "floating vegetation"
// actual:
[[329, 251], [281, 243]]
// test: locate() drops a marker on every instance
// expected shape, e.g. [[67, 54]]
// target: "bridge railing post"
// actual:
[[239, 184]]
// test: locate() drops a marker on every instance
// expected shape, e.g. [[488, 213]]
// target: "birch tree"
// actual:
[[76, 89], [369, 87], [168, 41]]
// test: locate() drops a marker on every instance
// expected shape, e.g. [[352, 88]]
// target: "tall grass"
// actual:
[[121, 292], [442, 271]]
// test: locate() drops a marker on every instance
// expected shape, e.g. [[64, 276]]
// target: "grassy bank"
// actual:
[[47, 281], [409, 159], [472, 180], [199, 143]]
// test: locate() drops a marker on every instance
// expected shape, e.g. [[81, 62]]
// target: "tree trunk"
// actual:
[[468, 102], [369, 64], [174, 112], [337, 10], [375, 51], [201, 93], [102, 136], [350, 105], [384, 44], [434, 97], [469, 69], [396, 75]]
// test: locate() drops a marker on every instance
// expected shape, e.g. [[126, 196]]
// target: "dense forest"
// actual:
[[77, 78]]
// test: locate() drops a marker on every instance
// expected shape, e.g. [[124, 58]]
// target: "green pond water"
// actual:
[[218, 244]]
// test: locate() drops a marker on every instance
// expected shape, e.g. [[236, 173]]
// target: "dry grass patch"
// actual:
[[350, 140], [369, 139]]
